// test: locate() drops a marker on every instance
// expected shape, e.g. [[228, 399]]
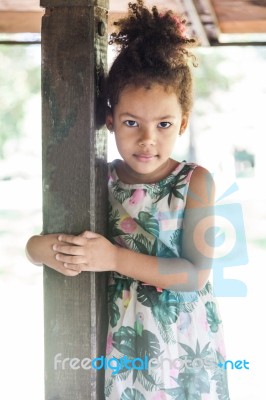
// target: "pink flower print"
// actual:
[[174, 372], [159, 396], [186, 179], [128, 225], [169, 224], [109, 343], [137, 197], [126, 298], [184, 321], [206, 396]]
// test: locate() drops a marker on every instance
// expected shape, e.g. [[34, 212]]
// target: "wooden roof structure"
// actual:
[[210, 19]]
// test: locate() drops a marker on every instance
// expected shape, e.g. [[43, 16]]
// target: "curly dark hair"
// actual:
[[152, 49]]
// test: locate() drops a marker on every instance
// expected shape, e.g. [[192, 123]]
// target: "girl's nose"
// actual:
[[147, 138]]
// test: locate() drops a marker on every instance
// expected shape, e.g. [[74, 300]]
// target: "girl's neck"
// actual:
[[129, 176]]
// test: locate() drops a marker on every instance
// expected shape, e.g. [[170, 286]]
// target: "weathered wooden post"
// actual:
[[74, 41]]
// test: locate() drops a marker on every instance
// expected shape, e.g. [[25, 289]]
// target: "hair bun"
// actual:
[[142, 24], [153, 47]]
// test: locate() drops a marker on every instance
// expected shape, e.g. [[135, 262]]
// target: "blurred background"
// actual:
[[226, 135]]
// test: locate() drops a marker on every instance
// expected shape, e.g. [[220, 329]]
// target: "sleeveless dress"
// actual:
[[161, 344]]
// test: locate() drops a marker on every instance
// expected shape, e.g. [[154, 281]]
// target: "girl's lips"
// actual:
[[145, 157]]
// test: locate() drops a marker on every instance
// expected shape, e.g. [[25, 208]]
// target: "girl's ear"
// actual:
[[109, 120], [184, 123]]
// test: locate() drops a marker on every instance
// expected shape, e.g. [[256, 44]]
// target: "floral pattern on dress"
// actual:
[[165, 326]]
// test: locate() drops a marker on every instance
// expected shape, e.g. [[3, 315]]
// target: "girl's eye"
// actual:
[[164, 125], [131, 123]]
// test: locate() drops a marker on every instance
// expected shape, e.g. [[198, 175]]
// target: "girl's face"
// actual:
[[146, 123]]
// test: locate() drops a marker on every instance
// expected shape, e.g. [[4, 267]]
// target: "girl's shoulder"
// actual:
[[201, 188], [184, 168]]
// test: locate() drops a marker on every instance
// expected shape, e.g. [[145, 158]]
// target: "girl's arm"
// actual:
[[191, 271], [92, 252], [39, 250]]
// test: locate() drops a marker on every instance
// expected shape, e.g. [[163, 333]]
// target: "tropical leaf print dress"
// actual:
[[172, 341]]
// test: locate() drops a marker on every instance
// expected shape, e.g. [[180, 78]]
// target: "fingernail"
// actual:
[[54, 247], [60, 237], [57, 256]]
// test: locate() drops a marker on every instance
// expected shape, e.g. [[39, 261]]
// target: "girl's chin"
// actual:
[[154, 168]]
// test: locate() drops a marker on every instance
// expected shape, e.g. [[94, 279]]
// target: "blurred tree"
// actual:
[[19, 80], [215, 74], [207, 75]]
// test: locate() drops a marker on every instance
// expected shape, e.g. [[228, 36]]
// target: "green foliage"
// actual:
[[207, 74], [19, 80], [218, 70], [147, 222], [132, 394], [129, 342], [212, 316]]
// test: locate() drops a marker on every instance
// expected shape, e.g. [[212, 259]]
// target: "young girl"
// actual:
[[165, 335]]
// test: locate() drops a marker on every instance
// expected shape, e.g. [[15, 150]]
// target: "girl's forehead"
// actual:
[[155, 94], [147, 88], [152, 100]]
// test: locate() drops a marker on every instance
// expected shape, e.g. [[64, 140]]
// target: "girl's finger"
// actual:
[[71, 250], [70, 259], [77, 240], [70, 272], [89, 235], [75, 268]]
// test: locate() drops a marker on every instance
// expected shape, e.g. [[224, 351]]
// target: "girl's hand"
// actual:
[[86, 252], [39, 250]]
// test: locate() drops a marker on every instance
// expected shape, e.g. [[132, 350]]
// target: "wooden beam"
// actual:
[[74, 191], [17, 16], [17, 22], [184, 7], [196, 23], [18, 5], [237, 27], [208, 19], [240, 16], [72, 3], [233, 16]]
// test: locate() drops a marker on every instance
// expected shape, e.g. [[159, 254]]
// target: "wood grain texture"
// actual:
[[238, 10], [240, 16], [74, 193], [16, 22], [233, 16], [34, 5], [237, 27], [71, 3], [18, 5]]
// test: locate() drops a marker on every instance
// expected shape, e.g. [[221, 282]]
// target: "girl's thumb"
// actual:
[[89, 235]]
